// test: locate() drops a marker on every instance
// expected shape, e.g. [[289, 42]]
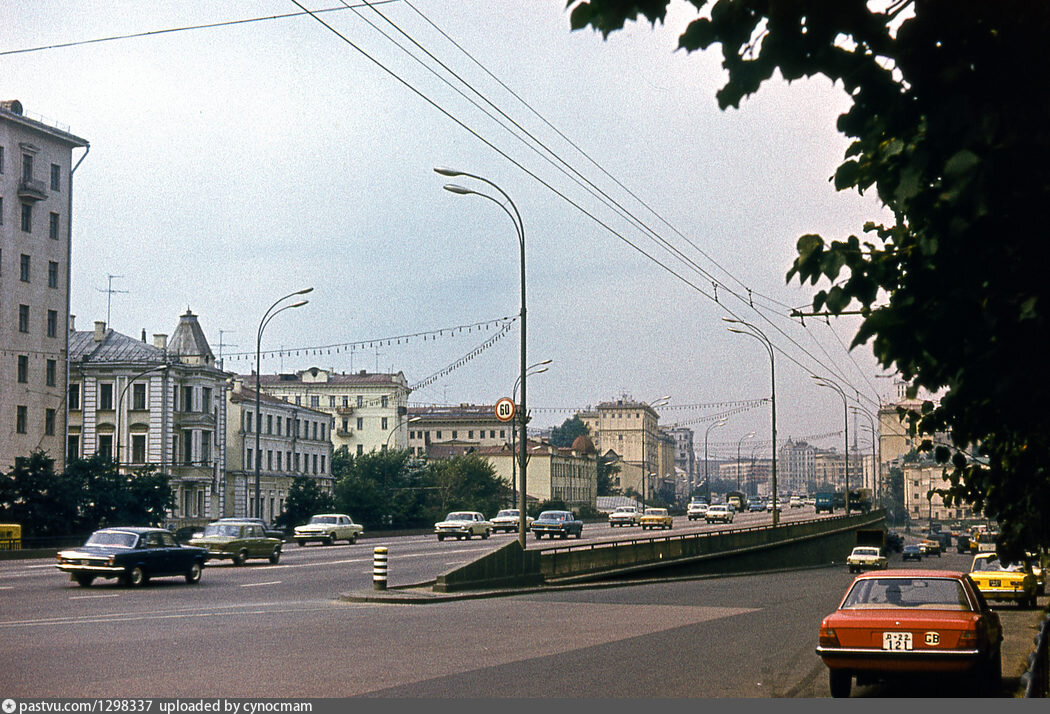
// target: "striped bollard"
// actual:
[[379, 568]]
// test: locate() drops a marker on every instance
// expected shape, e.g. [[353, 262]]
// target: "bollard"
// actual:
[[379, 568]]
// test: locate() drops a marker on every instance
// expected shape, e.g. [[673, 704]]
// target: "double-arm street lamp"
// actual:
[[270, 313], [748, 435], [752, 331], [876, 471], [538, 368], [645, 467], [707, 479], [519, 227], [120, 402], [824, 382]]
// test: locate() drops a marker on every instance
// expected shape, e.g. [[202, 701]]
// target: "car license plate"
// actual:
[[994, 583], [896, 641]]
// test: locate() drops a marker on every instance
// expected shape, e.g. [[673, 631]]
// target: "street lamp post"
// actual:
[[823, 382], [532, 369], [120, 402], [707, 479], [748, 435], [757, 334], [515, 218], [645, 470], [875, 466], [267, 316]]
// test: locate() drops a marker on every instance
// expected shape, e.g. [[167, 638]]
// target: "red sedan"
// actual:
[[897, 623]]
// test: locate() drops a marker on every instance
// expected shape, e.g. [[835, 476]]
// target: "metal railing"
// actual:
[[1036, 680]]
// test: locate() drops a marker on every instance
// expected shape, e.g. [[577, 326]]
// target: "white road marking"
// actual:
[[255, 585]]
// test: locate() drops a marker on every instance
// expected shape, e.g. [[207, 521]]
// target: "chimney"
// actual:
[[160, 341], [100, 330], [238, 385], [72, 323], [143, 335]]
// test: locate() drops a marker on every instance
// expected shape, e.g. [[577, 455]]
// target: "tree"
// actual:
[[607, 469], [563, 436], [305, 498], [365, 483], [110, 498], [466, 482], [948, 121], [42, 502]]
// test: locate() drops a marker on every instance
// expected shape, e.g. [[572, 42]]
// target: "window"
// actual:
[[360, 423], [278, 428], [20, 419], [56, 177], [74, 396], [23, 318], [27, 167], [24, 268], [105, 446], [315, 431], [455, 434], [331, 401], [269, 460], [49, 422], [187, 399], [322, 432], [384, 401], [49, 372], [1, 159], [138, 398], [248, 423], [187, 453], [360, 449], [205, 399], [72, 447], [105, 397], [248, 461], [1, 209], [27, 218], [346, 424], [279, 467], [322, 463], [52, 274], [269, 423], [360, 401], [315, 401], [52, 226], [138, 448], [23, 369], [346, 401], [315, 463], [385, 425], [298, 400], [52, 323]]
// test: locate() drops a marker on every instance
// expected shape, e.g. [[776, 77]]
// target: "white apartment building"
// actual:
[[36, 183], [293, 441], [370, 409], [162, 404], [435, 429]]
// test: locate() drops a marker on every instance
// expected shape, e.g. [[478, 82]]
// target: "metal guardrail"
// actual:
[[1036, 680]]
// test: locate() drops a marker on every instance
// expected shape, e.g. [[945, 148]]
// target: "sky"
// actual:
[[232, 165]]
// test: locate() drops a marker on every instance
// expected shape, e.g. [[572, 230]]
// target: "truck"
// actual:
[[860, 500], [738, 500], [825, 501]]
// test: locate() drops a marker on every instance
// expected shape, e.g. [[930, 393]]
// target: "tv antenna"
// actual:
[[109, 296]]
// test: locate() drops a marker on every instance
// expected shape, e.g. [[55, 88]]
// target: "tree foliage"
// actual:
[[563, 436], [305, 498], [948, 126], [42, 502]]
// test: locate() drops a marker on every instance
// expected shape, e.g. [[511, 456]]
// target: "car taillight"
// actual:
[[828, 638], [969, 639]]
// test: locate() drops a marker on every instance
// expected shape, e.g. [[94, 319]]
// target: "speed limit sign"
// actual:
[[505, 409]]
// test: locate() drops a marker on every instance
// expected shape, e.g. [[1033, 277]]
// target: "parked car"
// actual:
[[463, 524], [1004, 582], [509, 519], [720, 513], [238, 541], [927, 623], [557, 523], [656, 518], [327, 528], [866, 557], [911, 552], [133, 556], [696, 510], [625, 516]]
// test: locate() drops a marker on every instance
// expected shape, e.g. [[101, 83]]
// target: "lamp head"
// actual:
[[444, 171], [453, 188]]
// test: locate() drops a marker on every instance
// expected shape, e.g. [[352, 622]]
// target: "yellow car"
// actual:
[[656, 518], [1008, 582]]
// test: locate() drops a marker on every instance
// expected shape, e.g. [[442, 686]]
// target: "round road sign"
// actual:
[[505, 409]]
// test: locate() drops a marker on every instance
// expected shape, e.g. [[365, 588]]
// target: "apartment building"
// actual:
[[443, 431], [370, 410], [631, 430], [566, 474], [292, 441], [36, 182], [160, 404]]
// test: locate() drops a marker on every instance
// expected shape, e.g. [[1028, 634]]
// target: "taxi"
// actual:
[[1004, 582], [656, 518]]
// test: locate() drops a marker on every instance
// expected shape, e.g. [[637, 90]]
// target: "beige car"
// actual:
[[866, 557], [327, 528], [656, 518], [463, 524]]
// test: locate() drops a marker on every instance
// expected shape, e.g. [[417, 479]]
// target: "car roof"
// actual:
[[912, 573], [139, 530]]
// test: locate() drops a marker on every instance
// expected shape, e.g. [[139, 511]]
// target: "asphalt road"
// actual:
[[282, 631]]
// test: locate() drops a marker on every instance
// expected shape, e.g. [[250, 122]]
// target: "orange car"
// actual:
[[898, 623]]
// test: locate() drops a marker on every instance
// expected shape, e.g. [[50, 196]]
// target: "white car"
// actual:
[[720, 513], [508, 520], [463, 524], [696, 510], [327, 528], [796, 502], [866, 557], [625, 516]]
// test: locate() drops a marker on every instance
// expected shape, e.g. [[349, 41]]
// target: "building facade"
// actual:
[[370, 410], [797, 468], [435, 431], [161, 405], [36, 181], [293, 441], [566, 474]]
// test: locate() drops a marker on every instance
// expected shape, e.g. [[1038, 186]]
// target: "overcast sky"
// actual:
[[235, 164]]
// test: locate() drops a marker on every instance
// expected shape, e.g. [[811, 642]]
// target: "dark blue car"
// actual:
[[133, 555], [911, 552]]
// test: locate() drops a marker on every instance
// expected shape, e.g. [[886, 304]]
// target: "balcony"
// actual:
[[344, 411], [32, 190]]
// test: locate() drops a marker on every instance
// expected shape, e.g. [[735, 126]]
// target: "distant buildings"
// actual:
[[36, 184]]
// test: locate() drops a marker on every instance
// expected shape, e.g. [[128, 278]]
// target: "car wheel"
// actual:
[[352, 539], [275, 556], [193, 575], [564, 535], [840, 681], [990, 679], [330, 540], [136, 577], [301, 543], [538, 535], [240, 557], [84, 580], [579, 533], [441, 537]]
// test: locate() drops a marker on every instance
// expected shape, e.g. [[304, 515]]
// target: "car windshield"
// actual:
[[657, 511], [994, 565], [464, 516], [865, 551], [114, 539], [324, 519], [625, 509], [224, 530], [507, 514], [553, 516], [910, 593]]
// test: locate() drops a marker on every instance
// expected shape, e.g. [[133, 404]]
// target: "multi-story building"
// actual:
[[684, 453], [162, 405], [440, 431], [567, 474], [36, 183], [370, 410], [797, 468], [631, 430], [921, 502], [292, 441]]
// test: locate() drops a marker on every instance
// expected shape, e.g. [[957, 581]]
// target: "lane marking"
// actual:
[[92, 597], [255, 585]]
